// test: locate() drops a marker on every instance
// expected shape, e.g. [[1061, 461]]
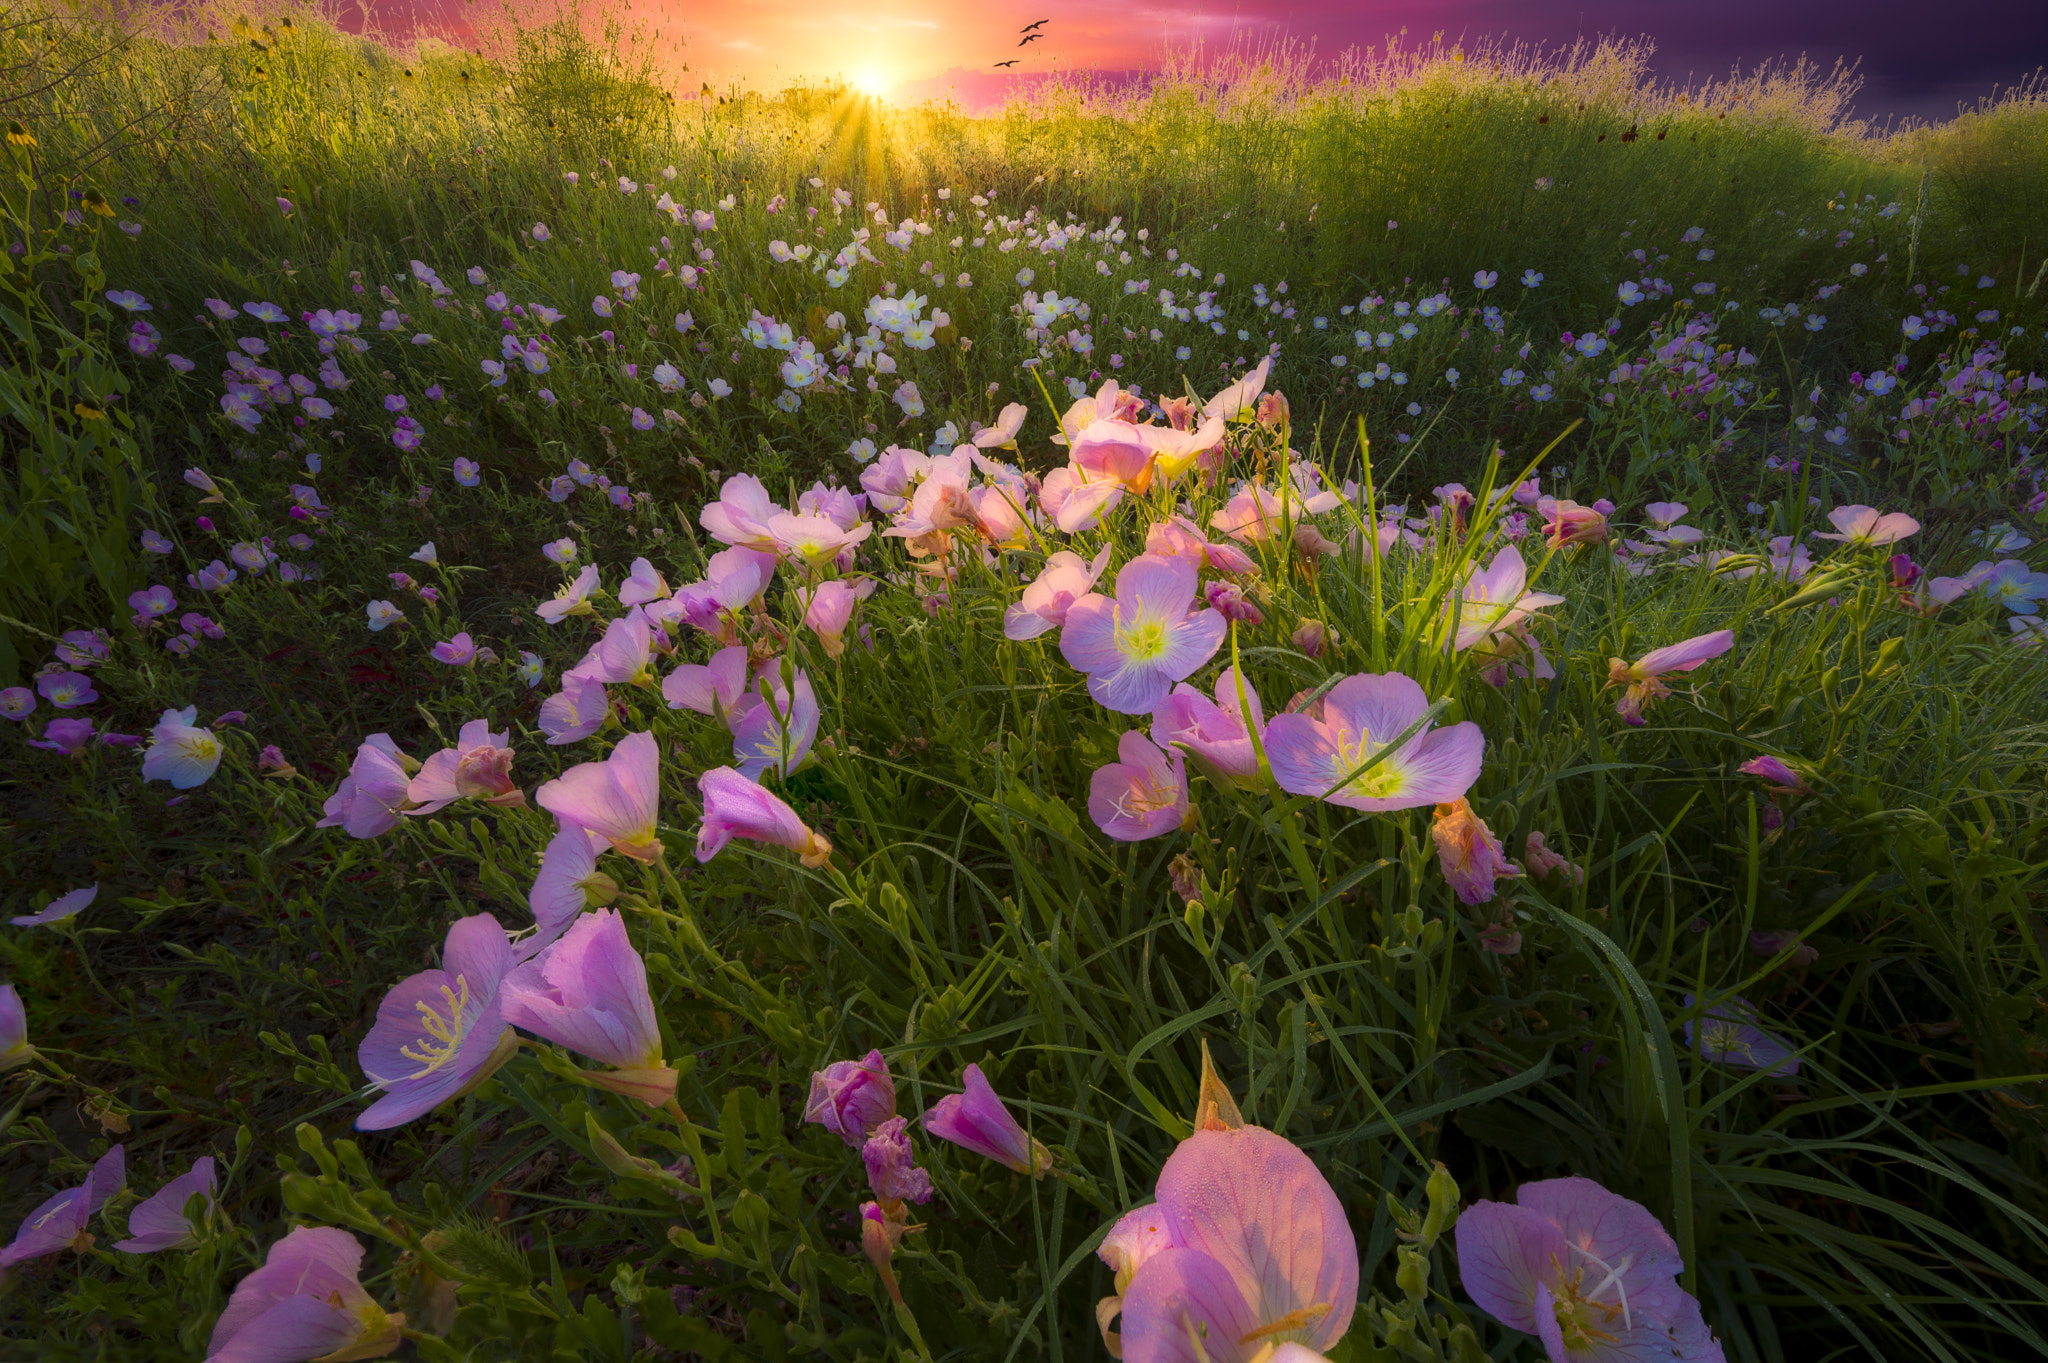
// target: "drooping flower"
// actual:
[[881, 1230], [572, 599], [66, 736], [1566, 523], [976, 1120], [1361, 717], [1065, 579], [1142, 795], [850, 1098], [61, 1221], [478, 767], [1866, 527], [179, 751], [306, 1302], [1642, 678], [160, 1223], [57, 910], [1779, 778], [568, 882], [1217, 733], [618, 798], [892, 1164], [1136, 646], [735, 806], [1592, 1274], [1728, 1035], [588, 993], [828, 607], [1469, 853], [1244, 1256], [439, 1034]]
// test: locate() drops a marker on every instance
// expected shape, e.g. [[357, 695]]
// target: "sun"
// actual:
[[871, 82]]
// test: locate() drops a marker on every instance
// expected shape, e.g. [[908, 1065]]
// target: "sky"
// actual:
[[1917, 57]]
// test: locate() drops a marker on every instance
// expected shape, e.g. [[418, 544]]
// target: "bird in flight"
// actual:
[[1032, 39], [1011, 62], [1040, 24]]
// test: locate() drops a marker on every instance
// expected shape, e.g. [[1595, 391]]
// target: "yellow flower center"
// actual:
[[1143, 642], [1382, 782], [443, 1035], [200, 749]]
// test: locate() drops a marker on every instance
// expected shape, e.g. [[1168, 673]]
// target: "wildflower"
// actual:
[[382, 615], [1593, 1274], [1348, 757], [741, 514], [1232, 402], [306, 1302], [1779, 779], [57, 910], [773, 727], [60, 1223], [17, 703], [1542, 862], [1567, 523], [370, 798], [891, 1164], [271, 762], [735, 806], [588, 992], [1495, 600], [529, 669], [572, 599], [850, 1098], [179, 752], [577, 711], [478, 767], [1642, 678], [66, 690], [1219, 734], [460, 651], [1245, 1252], [568, 883], [160, 1223], [1135, 646], [2014, 585], [440, 1033], [1728, 1035], [828, 607], [618, 798], [1469, 853], [1065, 579], [14, 1048], [66, 736], [1144, 795], [976, 1120], [1862, 525]]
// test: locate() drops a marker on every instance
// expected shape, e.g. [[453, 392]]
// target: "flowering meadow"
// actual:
[[652, 723]]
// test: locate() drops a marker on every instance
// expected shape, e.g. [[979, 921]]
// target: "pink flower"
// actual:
[[850, 1098], [642, 585], [588, 993], [306, 1302], [575, 712], [892, 1165], [60, 1223], [14, 1048], [478, 767], [976, 1120], [1255, 515], [1863, 525], [1780, 779], [370, 798], [66, 736], [1065, 579], [159, 1222], [1180, 537], [572, 599], [828, 607], [439, 1033], [1233, 400], [1145, 795], [815, 540], [625, 655], [740, 515], [712, 688], [66, 690], [1496, 599], [1229, 600], [1470, 855], [567, 884], [1216, 733], [1543, 862], [457, 652], [734, 806], [17, 703], [1135, 647], [57, 910], [1362, 716], [1642, 678], [774, 731], [1566, 523], [618, 799]]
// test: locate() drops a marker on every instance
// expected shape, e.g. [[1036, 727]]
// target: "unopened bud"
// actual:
[[1311, 636]]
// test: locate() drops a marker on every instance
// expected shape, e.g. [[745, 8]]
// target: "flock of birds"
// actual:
[[1031, 35]]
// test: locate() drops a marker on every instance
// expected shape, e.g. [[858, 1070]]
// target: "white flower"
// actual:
[[383, 615], [179, 751]]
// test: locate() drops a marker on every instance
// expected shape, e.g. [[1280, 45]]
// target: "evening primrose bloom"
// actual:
[[478, 767], [1142, 795], [374, 793], [828, 608], [734, 806], [1642, 678], [976, 1120], [439, 1033], [1865, 527], [307, 1302], [575, 712], [1361, 718], [61, 1222], [57, 910], [159, 1222], [588, 993], [1135, 646], [1065, 579], [1728, 1035], [1495, 599], [774, 727], [1218, 733], [568, 883], [180, 752], [712, 688], [572, 599], [618, 798], [1590, 1273]]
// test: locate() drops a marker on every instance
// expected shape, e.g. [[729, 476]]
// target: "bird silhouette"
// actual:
[[1032, 39], [1040, 24], [1011, 62]]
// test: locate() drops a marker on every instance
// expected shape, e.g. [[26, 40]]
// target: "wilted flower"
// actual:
[[1542, 862], [1642, 678], [850, 1098], [1469, 853], [60, 1223]]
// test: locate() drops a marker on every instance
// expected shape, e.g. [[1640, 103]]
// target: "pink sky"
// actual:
[[1909, 64]]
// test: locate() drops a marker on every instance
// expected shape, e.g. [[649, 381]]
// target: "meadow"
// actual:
[[1375, 708]]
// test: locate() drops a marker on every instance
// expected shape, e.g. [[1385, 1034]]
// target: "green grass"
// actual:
[[1889, 1204]]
